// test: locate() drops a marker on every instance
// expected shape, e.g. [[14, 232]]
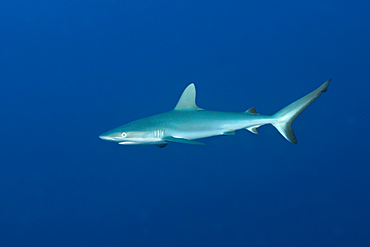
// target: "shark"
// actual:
[[187, 122]]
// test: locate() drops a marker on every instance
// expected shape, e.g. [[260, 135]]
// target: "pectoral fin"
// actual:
[[181, 140]]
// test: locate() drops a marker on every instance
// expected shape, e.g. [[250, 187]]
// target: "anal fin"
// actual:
[[253, 129]]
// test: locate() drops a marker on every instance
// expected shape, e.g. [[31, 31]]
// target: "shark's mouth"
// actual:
[[141, 142], [128, 143]]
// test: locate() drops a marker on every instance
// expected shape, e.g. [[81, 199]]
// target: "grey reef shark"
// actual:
[[187, 122]]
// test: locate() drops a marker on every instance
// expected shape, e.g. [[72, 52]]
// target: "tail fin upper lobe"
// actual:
[[286, 116]]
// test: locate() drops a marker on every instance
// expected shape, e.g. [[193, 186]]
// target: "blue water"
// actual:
[[71, 70]]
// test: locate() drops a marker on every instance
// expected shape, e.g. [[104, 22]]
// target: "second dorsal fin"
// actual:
[[252, 110]]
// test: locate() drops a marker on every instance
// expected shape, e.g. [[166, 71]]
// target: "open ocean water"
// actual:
[[71, 70]]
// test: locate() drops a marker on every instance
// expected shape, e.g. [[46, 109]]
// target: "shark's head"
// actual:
[[126, 135]]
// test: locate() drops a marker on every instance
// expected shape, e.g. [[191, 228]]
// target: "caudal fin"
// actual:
[[286, 116]]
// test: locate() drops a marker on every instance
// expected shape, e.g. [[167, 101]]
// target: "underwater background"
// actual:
[[71, 70]]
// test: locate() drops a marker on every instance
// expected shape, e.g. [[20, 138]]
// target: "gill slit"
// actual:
[[159, 133]]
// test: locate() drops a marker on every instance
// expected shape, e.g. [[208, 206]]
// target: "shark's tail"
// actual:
[[286, 116]]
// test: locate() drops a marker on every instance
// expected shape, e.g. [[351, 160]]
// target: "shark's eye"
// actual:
[[123, 134]]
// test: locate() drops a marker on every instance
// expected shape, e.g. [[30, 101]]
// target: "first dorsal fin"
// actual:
[[187, 99]]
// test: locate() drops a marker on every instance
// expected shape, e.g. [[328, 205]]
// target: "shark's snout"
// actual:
[[113, 136], [106, 137]]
